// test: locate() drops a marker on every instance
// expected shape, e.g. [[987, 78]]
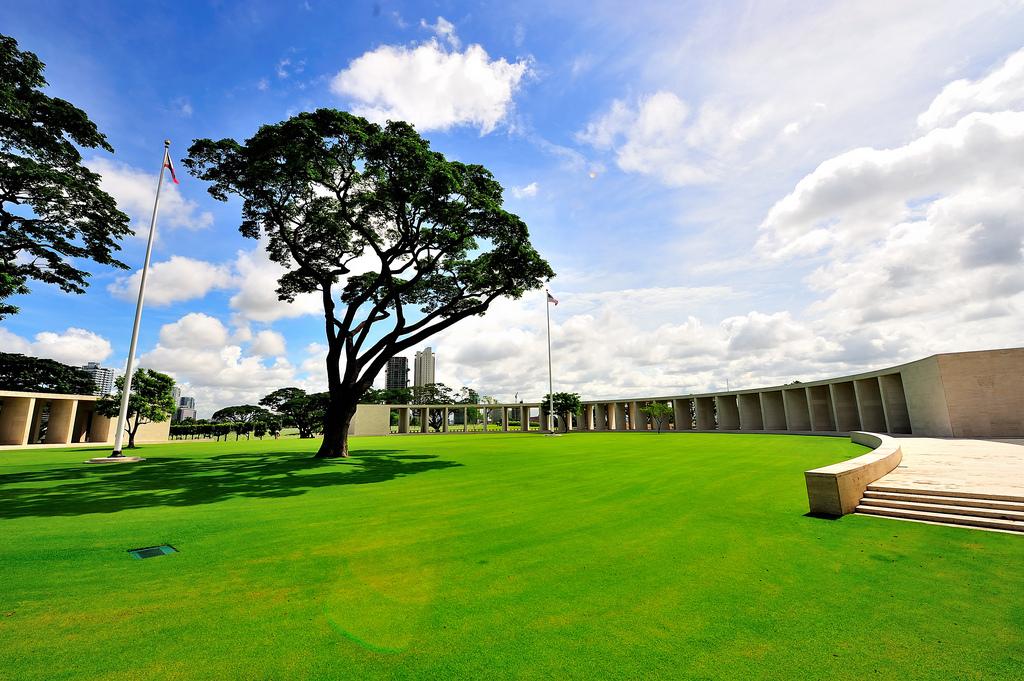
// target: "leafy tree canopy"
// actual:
[[658, 411], [52, 209], [34, 374], [433, 393], [565, 403], [387, 396], [328, 191], [299, 408], [243, 413], [151, 401]]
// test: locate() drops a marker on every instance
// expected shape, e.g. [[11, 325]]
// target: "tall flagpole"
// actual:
[[551, 388], [122, 416]]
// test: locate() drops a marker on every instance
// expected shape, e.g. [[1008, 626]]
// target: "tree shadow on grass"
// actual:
[[187, 482]]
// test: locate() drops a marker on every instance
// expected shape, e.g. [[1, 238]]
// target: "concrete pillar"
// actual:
[[504, 419], [634, 415], [773, 411], [705, 407], [16, 420], [424, 420], [798, 416], [679, 417], [524, 419], [444, 423], [749, 407], [37, 421], [869, 405], [82, 415], [894, 400], [403, 419], [728, 412], [61, 422], [844, 404], [102, 429], [620, 416], [588, 417], [819, 401]]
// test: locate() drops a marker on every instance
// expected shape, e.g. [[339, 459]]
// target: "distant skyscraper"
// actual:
[[186, 409], [102, 377], [398, 373], [423, 367], [176, 392]]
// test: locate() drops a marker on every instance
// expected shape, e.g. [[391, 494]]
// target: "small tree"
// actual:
[[658, 412], [296, 406], [53, 213], [566, 405], [151, 401], [328, 191], [33, 374]]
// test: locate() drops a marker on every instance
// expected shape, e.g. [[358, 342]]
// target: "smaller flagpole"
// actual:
[[122, 416], [551, 388]]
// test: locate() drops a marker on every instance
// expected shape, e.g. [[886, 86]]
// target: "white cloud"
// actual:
[[182, 106], [765, 93], [443, 29], [134, 191], [1000, 90], [920, 247], [194, 331], [174, 280], [267, 343], [657, 136], [856, 197], [197, 351], [432, 87], [257, 299], [74, 346], [525, 192]]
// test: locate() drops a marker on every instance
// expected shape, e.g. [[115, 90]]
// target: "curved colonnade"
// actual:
[[966, 394]]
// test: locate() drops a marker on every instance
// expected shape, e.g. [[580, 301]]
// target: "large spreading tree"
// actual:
[[52, 210], [35, 374], [330, 191]]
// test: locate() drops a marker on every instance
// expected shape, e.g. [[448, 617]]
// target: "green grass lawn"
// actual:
[[588, 556]]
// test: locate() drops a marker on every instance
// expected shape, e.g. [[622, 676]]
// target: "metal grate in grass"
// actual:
[[152, 551]]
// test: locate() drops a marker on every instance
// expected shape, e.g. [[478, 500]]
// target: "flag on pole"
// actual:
[[170, 166], [551, 298]]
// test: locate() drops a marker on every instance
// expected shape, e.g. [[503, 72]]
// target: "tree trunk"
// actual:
[[336, 424]]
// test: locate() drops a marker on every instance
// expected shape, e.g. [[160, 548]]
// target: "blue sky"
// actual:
[[751, 192]]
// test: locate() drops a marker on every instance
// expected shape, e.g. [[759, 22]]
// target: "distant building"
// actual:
[[423, 368], [176, 392], [186, 409], [103, 377], [398, 373]]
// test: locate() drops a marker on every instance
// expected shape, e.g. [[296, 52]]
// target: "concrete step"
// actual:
[[960, 494], [946, 501], [943, 518], [977, 512]]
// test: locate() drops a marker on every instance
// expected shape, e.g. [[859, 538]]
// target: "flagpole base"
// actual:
[[121, 458]]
